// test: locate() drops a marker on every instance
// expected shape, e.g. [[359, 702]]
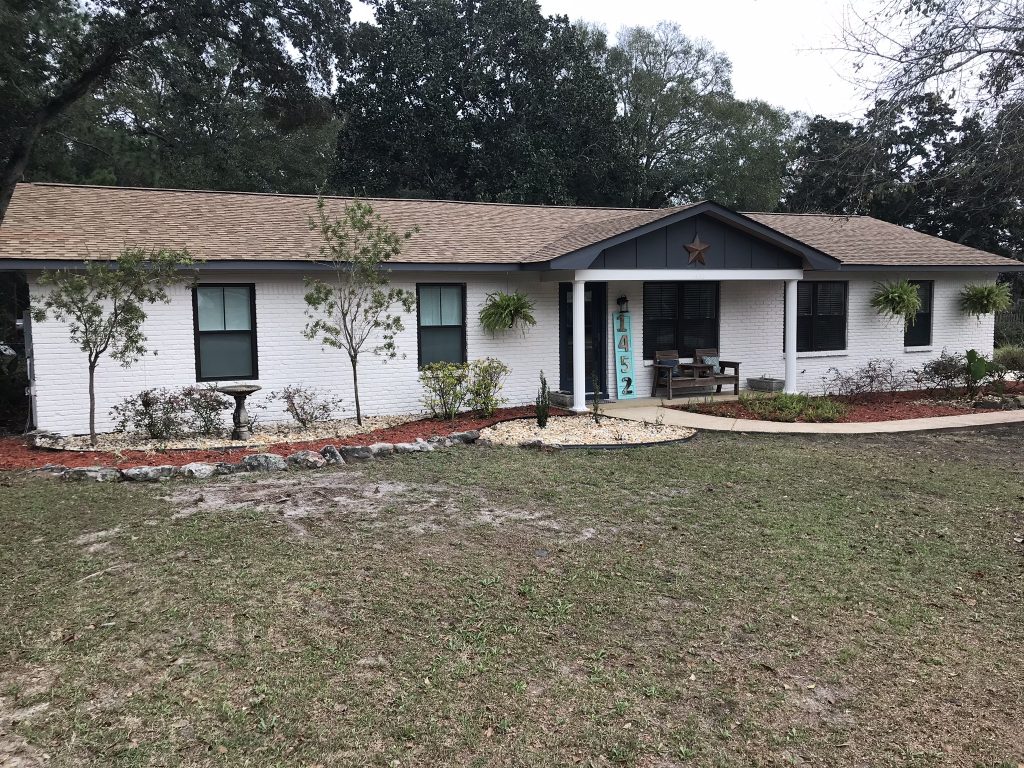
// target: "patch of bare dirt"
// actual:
[[348, 502]]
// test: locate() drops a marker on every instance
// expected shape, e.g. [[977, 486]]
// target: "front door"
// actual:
[[595, 330]]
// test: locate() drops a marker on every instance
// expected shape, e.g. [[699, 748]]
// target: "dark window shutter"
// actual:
[[661, 307], [698, 327], [804, 316], [821, 316]]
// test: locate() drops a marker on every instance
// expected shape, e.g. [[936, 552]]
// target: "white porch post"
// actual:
[[790, 341], [579, 347]]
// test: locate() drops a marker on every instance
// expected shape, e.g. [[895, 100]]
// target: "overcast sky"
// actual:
[[775, 45]]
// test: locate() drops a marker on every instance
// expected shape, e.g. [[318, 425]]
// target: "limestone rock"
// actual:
[[265, 462], [382, 449], [306, 460], [332, 455], [148, 474], [198, 470], [99, 474], [356, 453]]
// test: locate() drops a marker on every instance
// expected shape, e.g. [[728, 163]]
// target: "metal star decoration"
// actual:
[[697, 250]]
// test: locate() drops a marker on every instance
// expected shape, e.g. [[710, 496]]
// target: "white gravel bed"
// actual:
[[285, 432], [581, 430]]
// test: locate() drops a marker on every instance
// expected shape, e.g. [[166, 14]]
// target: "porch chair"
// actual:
[[705, 371]]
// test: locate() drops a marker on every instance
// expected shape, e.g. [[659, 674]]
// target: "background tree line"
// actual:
[[464, 99], [492, 100]]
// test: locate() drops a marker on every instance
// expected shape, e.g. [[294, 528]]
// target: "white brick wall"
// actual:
[[751, 332], [751, 326], [286, 357]]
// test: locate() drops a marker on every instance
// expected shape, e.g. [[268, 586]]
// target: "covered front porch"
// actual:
[[700, 278], [614, 321]]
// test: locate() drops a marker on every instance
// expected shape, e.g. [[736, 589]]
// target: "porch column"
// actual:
[[579, 347], [790, 341]]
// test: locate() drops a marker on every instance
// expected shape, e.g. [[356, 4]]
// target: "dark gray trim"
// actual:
[[582, 258], [931, 268], [407, 266]]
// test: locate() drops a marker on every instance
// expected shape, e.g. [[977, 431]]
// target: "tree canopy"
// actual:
[[55, 53], [475, 100], [921, 167]]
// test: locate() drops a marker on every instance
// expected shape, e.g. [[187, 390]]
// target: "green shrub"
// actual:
[[1011, 358], [445, 388], [787, 407], [485, 380], [945, 374], [543, 402]]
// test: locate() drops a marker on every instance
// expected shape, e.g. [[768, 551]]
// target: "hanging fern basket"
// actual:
[[505, 311], [980, 299], [897, 299]]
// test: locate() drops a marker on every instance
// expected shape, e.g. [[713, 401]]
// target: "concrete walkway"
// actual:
[[654, 412]]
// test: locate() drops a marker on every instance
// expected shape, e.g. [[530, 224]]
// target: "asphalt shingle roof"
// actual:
[[58, 221], [863, 240]]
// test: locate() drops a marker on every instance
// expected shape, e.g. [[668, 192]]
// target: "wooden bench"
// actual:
[[673, 374]]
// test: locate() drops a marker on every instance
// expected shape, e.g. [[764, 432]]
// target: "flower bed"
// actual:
[[15, 453], [581, 430], [284, 433], [858, 408]]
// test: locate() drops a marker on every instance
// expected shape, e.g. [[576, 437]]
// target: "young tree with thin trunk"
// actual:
[[103, 305], [355, 307]]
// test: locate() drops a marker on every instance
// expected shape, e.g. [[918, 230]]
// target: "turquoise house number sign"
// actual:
[[624, 355]]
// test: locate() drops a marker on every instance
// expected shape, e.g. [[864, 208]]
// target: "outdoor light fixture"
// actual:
[[623, 303]]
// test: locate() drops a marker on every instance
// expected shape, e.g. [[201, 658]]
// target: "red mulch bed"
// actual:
[[874, 407], [15, 454]]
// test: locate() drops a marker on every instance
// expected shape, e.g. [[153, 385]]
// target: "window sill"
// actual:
[[823, 353], [912, 350]]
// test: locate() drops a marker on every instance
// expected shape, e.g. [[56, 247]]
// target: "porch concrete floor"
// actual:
[[612, 408], [651, 410]]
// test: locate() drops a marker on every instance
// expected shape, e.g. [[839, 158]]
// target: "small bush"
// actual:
[[165, 413], [445, 388], [307, 406], [786, 407], [207, 406], [485, 380], [543, 402], [1011, 358], [945, 374], [879, 375]]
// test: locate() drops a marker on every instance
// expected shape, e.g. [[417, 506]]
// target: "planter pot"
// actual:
[[766, 384]]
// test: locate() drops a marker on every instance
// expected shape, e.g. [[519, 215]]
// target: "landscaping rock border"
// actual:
[[260, 462]]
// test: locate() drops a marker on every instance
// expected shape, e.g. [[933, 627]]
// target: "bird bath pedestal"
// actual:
[[241, 416]]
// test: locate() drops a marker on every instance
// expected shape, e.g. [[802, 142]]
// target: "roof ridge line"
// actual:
[[335, 197]]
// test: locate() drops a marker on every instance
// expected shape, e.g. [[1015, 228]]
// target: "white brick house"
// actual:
[[259, 247]]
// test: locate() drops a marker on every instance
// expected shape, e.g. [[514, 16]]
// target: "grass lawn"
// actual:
[[733, 601]]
